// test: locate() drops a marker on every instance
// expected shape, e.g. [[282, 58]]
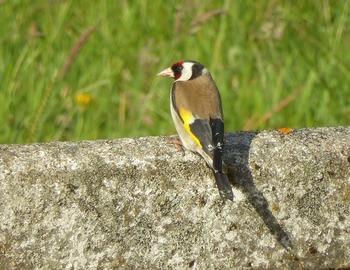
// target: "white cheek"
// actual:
[[186, 72]]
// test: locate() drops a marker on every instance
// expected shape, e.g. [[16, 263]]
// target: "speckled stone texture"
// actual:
[[143, 204]]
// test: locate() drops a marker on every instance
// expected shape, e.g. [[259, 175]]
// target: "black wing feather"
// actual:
[[201, 129], [211, 136], [217, 127]]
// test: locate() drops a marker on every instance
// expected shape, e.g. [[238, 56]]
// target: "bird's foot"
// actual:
[[177, 143]]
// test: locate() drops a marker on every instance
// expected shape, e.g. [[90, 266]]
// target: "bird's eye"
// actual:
[[178, 69]]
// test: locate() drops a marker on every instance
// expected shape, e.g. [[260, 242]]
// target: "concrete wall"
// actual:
[[143, 204]]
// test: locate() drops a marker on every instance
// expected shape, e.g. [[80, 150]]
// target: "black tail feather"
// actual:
[[224, 185]]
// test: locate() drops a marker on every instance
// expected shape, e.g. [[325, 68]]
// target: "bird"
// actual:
[[196, 110]]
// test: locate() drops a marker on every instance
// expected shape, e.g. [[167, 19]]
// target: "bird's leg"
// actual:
[[177, 143]]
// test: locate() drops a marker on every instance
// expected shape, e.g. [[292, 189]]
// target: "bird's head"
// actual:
[[184, 71]]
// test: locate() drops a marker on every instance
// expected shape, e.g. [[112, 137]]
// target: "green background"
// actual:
[[276, 63]]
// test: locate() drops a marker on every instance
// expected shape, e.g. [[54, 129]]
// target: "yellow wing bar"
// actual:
[[188, 119]]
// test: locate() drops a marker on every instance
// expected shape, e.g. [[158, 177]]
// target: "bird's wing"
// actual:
[[208, 134]]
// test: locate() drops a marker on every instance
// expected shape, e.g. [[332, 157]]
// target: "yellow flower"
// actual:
[[83, 99]]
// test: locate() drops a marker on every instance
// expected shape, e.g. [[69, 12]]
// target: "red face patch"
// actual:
[[177, 69]]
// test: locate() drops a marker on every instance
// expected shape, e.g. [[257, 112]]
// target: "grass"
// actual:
[[74, 70]]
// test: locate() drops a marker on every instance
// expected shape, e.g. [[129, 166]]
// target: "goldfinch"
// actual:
[[196, 110]]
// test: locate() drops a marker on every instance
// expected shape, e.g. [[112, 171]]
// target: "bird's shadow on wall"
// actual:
[[236, 156]]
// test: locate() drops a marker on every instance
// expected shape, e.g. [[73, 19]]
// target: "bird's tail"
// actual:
[[224, 185]]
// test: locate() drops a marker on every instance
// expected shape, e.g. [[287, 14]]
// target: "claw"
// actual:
[[177, 143]]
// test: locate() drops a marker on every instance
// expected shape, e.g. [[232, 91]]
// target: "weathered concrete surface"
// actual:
[[142, 204]]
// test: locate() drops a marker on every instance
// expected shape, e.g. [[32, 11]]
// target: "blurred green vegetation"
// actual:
[[74, 69]]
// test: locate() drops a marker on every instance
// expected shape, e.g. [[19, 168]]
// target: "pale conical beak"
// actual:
[[166, 73]]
